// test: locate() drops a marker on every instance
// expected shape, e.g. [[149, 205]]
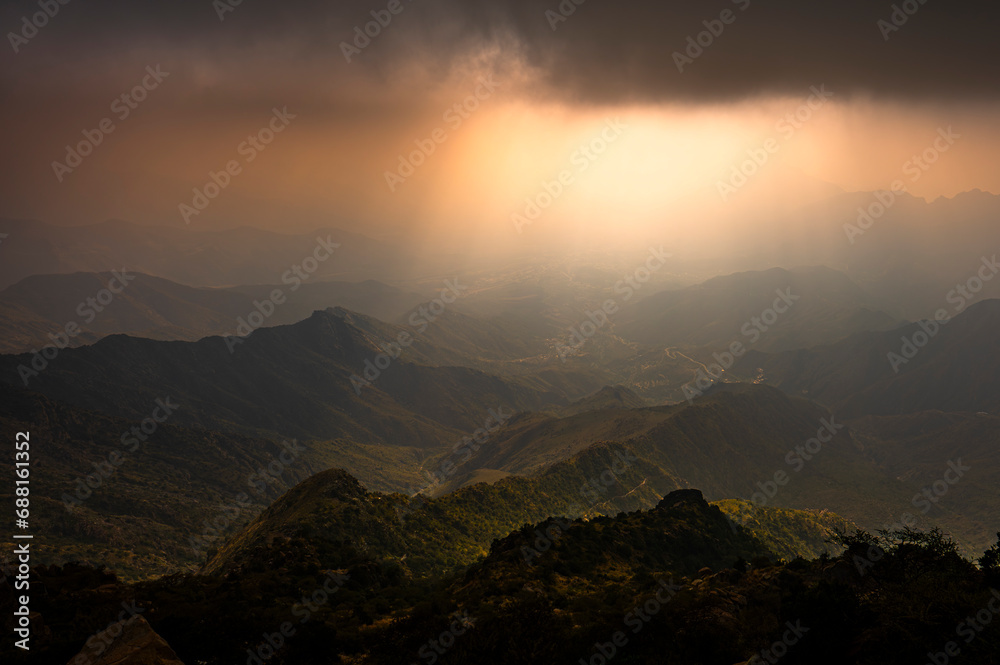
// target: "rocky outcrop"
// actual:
[[682, 496], [137, 644]]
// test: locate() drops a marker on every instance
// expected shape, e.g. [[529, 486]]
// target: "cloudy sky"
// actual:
[[670, 98]]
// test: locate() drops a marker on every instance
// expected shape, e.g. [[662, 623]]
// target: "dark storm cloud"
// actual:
[[605, 51], [609, 50]]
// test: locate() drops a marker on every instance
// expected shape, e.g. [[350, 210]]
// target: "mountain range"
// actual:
[[499, 450]]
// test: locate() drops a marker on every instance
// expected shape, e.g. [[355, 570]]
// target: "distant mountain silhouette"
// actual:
[[197, 258], [954, 369], [306, 380], [807, 307], [157, 308]]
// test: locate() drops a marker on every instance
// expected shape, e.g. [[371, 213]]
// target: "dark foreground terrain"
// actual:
[[679, 583]]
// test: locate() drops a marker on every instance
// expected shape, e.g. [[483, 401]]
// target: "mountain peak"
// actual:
[[678, 497]]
